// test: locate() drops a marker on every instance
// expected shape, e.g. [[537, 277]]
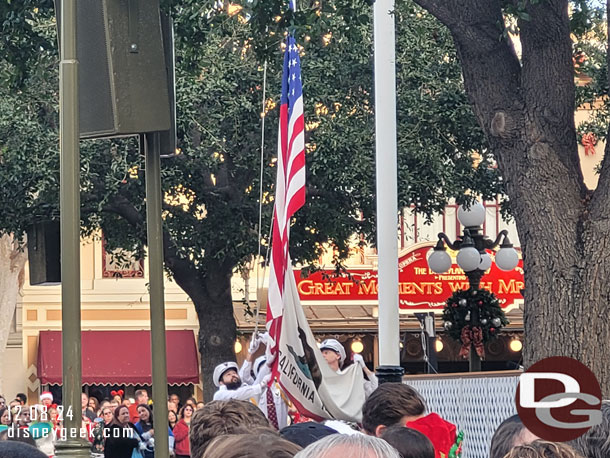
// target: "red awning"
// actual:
[[120, 357]]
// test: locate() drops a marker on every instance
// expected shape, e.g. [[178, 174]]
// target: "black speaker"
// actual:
[[44, 253], [123, 87]]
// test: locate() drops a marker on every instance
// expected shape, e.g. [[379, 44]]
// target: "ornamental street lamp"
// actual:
[[472, 256]]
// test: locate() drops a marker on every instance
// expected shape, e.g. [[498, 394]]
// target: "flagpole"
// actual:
[[389, 369]]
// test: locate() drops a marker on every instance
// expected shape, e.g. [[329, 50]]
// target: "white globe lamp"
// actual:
[[439, 261], [472, 216], [485, 263]]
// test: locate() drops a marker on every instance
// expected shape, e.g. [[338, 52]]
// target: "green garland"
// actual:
[[458, 313]]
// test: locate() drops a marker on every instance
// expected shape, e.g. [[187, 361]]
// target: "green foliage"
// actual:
[[211, 188], [459, 312]]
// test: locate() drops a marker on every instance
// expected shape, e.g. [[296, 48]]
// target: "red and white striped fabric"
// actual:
[[290, 185]]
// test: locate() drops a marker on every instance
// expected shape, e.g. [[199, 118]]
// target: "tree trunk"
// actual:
[[526, 109], [211, 295], [12, 262]]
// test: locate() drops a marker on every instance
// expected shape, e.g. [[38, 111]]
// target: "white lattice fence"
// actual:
[[477, 405]]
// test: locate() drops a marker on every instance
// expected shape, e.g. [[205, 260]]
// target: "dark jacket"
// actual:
[[122, 446]]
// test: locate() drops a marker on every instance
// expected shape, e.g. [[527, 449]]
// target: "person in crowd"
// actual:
[[5, 416], [175, 400], [46, 398], [103, 404], [114, 404], [231, 386], [510, 433], [97, 432], [117, 396], [172, 419], [251, 445], [181, 432], [2, 401], [334, 354], [17, 449], [352, 446], [306, 433], [409, 442], [595, 443], [94, 404], [192, 401], [22, 398], [87, 411], [41, 430], [15, 408], [17, 434], [122, 438], [199, 405], [399, 404], [543, 449], [23, 421], [147, 432], [141, 398], [217, 418]]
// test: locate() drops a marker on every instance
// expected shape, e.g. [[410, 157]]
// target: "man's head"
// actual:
[[511, 433], [543, 449], [175, 399], [409, 442], [333, 353], [16, 449], [217, 418], [22, 398], [46, 398], [239, 445], [141, 397], [226, 374], [391, 404], [84, 400], [352, 446]]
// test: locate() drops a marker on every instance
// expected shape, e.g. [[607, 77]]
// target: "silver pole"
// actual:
[[386, 171]]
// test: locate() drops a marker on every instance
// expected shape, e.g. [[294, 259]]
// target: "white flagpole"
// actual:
[[387, 198]]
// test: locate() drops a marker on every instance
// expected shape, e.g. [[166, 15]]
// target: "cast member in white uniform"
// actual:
[[230, 385], [334, 354]]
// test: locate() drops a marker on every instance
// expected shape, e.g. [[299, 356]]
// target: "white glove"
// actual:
[[358, 359], [264, 338], [255, 342], [265, 381]]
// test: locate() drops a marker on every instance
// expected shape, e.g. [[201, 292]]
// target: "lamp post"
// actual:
[[472, 256]]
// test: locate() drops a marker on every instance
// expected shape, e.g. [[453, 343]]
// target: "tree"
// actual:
[[211, 189], [525, 105]]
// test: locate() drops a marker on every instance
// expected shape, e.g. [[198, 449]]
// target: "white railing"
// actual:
[[475, 403]]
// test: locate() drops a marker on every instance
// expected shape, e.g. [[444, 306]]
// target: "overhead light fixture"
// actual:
[[357, 346], [238, 346], [515, 345], [438, 345]]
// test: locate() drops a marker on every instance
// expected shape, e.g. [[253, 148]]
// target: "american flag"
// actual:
[[290, 185]]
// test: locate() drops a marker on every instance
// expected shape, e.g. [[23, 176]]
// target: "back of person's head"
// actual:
[[218, 418], [409, 442], [352, 446], [253, 445], [16, 449], [389, 404], [17, 434], [595, 443], [509, 434], [306, 433], [543, 449]]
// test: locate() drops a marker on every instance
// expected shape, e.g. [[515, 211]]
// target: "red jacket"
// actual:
[[441, 433], [181, 438], [134, 416]]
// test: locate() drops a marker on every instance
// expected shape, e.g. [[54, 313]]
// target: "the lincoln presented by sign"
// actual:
[[419, 287]]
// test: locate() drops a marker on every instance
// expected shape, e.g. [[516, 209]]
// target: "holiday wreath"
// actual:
[[461, 323]]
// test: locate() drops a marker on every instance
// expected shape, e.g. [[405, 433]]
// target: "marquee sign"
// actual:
[[418, 287]]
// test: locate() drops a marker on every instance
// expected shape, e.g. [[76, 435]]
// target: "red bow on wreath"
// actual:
[[473, 336]]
